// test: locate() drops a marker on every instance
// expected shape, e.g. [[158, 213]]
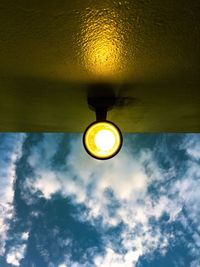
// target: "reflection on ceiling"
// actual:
[[101, 43]]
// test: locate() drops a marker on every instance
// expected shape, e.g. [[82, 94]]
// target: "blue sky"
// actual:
[[60, 207]]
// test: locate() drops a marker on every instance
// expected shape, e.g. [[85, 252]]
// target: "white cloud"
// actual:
[[192, 145], [25, 236], [40, 160], [128, 180], [195, 263], [69, 263], [10, 151], [187, 190], [128, 177], [42, 154], [111, 259], [16, 254], [47, 183]]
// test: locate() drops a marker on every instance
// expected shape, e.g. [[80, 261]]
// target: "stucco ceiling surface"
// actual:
[[52, 52]]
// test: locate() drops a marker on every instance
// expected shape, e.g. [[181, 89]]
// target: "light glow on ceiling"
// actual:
[[102, 45]]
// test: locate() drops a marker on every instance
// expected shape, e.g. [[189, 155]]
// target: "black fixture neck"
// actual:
[[101, 113]]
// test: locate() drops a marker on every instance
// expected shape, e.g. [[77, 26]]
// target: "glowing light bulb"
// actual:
[[102, 140]]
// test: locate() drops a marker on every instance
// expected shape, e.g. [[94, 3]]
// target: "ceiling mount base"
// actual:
[[101, 98], [101, 105]]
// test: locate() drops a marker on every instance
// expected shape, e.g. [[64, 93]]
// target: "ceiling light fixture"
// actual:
[[102, 139]]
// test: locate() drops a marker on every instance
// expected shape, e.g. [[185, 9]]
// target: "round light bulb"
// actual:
[[102, 140]]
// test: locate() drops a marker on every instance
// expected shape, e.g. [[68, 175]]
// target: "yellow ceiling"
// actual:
[[51, 52]]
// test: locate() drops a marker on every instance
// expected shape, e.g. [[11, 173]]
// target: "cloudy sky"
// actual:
[[59, 207]]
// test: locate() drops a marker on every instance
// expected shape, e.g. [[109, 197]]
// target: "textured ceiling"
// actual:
[[51, 52]]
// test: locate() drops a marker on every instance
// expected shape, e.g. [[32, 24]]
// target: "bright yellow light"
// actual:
[[102, 42], [102, 140]]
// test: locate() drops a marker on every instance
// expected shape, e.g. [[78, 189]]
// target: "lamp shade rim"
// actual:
[[103, 157]]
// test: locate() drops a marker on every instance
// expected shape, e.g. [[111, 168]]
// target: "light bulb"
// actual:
[[102, 140]]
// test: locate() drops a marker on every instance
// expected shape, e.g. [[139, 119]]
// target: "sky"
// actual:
[[60, 207]]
